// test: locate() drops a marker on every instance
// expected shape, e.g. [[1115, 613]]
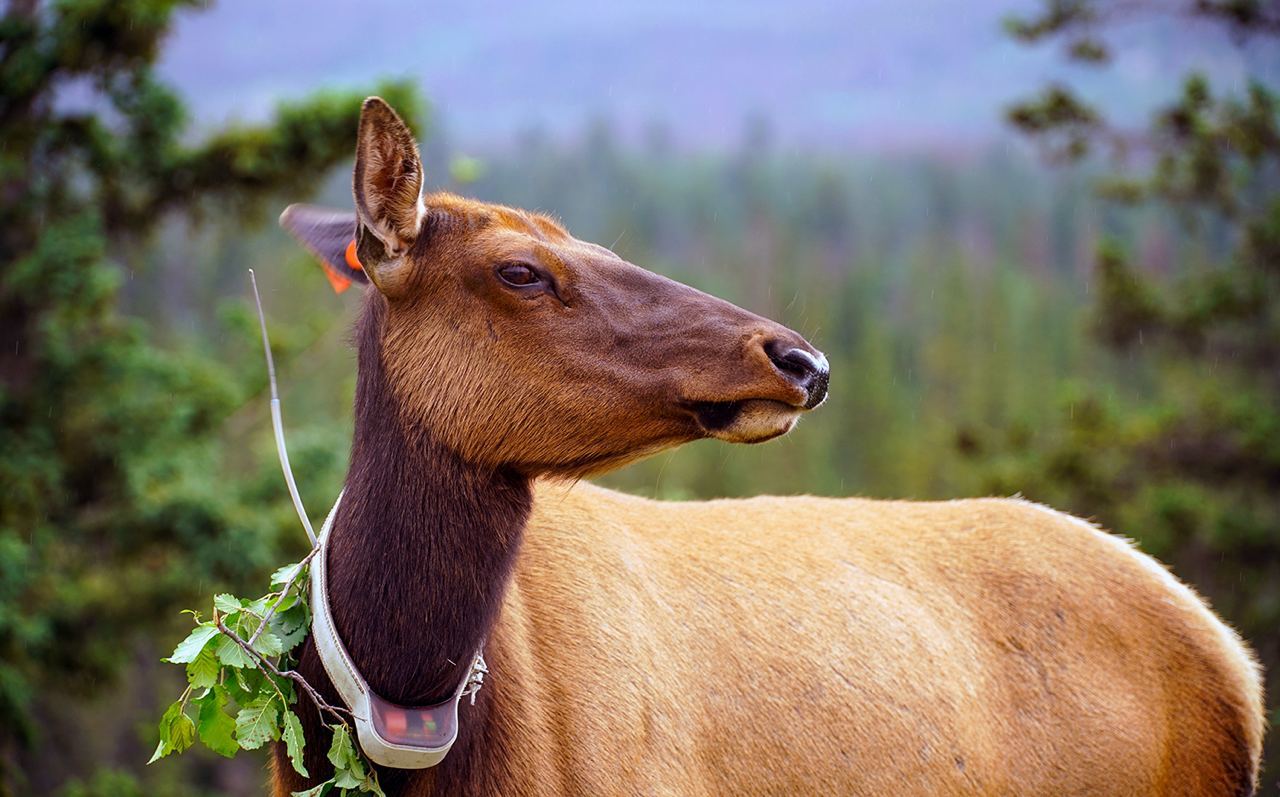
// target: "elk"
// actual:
[[769, 645]]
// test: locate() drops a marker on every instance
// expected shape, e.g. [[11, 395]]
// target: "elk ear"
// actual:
[[330, 235], [388, 192]]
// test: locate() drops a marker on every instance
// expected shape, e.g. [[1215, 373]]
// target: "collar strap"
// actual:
[[403, 737]]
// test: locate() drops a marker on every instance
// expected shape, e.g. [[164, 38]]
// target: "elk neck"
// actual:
[[423, 543]]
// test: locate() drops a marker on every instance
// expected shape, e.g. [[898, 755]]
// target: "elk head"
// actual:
[[518, 345]]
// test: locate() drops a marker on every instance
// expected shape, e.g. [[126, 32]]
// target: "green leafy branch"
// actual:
[[241, 685]]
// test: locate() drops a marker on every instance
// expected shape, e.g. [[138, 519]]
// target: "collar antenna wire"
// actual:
[[276, 422]]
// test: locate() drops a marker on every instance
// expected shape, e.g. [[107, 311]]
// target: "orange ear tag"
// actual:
[[353, 259], [339, 282]]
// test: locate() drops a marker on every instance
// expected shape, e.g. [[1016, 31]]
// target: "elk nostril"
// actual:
[[808, 371], [798, 364]]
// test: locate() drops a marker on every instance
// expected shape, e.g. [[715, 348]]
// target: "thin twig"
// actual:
[[264, 663], [284, 593]]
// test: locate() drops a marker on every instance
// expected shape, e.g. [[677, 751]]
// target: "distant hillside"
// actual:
[[874, 74]]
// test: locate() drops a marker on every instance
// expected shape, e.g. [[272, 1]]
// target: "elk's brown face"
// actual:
[[517, 344]]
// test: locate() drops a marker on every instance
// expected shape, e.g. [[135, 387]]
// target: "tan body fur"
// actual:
[[822, 646]]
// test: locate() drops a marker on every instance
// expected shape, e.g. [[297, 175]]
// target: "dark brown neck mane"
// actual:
[[422, 545]]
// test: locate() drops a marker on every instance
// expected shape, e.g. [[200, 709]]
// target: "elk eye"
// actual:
[[518, 275]]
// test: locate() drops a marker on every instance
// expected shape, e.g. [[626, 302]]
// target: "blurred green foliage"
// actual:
[[1190, 463], [117, 501]]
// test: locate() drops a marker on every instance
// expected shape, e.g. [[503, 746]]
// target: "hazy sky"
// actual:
[[876, 73]]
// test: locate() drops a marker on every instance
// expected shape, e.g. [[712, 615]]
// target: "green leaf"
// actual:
[[216, 727], [202, 672], [248, 684], [372, 786], [315, 791], [189, 648], [231, 654], [256, 723], [284, 686], [268, 644], [343, 756], [282, 576], [184, 733], [340, 750], [177, 732], [227, 603], [348, 767], [292, 625], [294, 742], [167, 719], [283, 604]]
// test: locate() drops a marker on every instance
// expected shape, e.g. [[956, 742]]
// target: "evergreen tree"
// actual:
[[113, 507], [1189, 460]]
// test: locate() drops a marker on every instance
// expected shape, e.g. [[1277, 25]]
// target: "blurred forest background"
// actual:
[[1076, 298]]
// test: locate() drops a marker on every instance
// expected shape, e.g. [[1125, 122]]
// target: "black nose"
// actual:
[[809, 371]]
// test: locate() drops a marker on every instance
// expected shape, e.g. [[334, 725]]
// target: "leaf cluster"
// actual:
[[241, 689]]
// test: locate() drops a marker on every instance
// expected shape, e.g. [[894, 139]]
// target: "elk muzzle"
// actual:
[[780, 377]]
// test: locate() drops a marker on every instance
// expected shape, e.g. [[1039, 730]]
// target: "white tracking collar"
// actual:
[[404, 737]]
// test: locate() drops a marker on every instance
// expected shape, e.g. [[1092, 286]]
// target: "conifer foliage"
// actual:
[[1188, 459], [113, 510]]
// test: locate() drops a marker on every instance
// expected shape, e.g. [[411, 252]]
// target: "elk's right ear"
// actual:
[[330, 235], [388, 192]]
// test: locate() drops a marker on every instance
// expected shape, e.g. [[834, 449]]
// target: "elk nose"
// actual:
[[807, 370]]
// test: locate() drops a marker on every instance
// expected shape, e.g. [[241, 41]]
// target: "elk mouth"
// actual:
[[745, 420]]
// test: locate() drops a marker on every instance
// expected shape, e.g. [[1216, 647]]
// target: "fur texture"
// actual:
[[763, 646]]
